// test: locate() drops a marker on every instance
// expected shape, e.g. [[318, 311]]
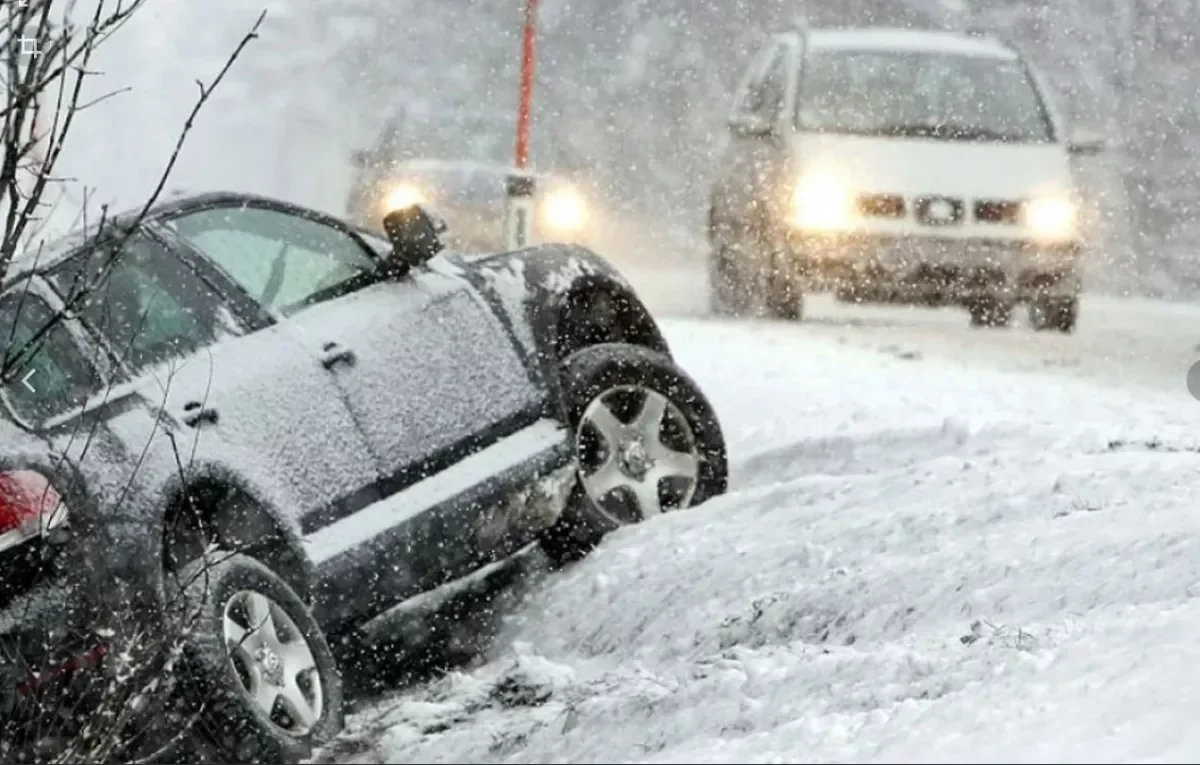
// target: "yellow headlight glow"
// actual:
[[822, 201], [565, 210], [1051, 217], [401, 196]]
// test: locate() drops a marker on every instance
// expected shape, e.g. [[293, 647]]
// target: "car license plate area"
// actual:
[[944, 256]]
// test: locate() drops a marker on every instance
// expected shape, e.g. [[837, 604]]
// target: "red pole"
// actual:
[[525, 108]]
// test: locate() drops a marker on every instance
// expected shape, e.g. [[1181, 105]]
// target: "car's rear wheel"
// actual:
[[647, 440], [1059, 314], [259, 676]]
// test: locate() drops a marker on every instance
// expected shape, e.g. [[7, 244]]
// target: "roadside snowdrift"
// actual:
[[918, 562]]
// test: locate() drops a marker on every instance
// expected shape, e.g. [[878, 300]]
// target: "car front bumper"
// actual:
[[931, 270]]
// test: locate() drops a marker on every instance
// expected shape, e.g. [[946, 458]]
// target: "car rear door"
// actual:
[[428, 370], [239, 396]]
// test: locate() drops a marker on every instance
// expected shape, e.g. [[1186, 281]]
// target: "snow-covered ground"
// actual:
[[1123, 342], [919, 559]]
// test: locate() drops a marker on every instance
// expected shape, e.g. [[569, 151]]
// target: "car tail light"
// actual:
[[88, 660], [29, 507]]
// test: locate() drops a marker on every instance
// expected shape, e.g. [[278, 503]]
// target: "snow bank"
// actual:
[[918, 561]]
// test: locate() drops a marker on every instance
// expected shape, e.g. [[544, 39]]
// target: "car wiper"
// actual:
[[973, 133], [944, 130]]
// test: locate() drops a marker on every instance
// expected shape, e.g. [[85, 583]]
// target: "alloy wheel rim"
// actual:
[[273, 662], [638, 454]]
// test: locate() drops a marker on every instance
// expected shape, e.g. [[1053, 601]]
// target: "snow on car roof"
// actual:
[[908, 40]]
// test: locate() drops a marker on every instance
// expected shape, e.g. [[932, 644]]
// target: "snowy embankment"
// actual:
[[917, 561]]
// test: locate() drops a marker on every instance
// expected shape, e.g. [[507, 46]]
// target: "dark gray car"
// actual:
[[299, 425]]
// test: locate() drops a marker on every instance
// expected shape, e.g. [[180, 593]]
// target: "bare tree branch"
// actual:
[[45, 61]]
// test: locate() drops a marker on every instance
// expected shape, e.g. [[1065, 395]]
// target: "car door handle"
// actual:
[[333, 354], [194, 413]]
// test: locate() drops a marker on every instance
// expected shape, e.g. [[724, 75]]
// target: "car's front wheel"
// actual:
[[259, 675], [784, 297], [990, 312], [647, 440], [727, 295]]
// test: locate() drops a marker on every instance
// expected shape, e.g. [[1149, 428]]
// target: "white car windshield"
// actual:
[[921, 95]]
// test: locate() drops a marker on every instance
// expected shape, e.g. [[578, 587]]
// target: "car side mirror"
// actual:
[[415, 234], [1085, 145], [751, 126]]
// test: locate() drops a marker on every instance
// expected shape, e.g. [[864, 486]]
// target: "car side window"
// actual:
[[764, 93], [46, 373], [286, 262], [148, 305]]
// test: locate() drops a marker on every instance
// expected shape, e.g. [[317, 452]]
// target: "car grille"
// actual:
[[997, 211], [938, 211], [881, 205], [926, 209]]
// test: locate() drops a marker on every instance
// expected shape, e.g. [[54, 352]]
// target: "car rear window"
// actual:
[[148, 305], [45, 373]]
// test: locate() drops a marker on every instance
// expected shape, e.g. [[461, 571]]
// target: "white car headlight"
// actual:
[[1051, 217], [403, 195], [822, 200], [565, 210]]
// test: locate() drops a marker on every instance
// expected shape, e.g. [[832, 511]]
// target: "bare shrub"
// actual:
[[94, 694]]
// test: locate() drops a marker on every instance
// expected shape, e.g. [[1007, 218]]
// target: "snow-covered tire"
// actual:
[[990, 312], [287, 657], [644, 430], [1059, 314]]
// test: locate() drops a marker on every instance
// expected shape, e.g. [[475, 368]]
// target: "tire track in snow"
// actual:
[[879, 451]]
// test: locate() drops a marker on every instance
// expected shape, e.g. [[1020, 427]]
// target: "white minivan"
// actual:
[[892, 165]]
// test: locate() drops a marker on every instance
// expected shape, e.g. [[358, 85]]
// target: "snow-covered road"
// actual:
[[1127, 342], [921, 558]]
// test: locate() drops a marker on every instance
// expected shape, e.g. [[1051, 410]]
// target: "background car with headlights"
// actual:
[[898, 166], [458, 161]]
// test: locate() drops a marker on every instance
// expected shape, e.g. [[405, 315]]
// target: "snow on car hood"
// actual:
[[926, 166]]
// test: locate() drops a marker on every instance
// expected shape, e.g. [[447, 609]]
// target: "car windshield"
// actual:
[[921, 95], [434, 135]]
